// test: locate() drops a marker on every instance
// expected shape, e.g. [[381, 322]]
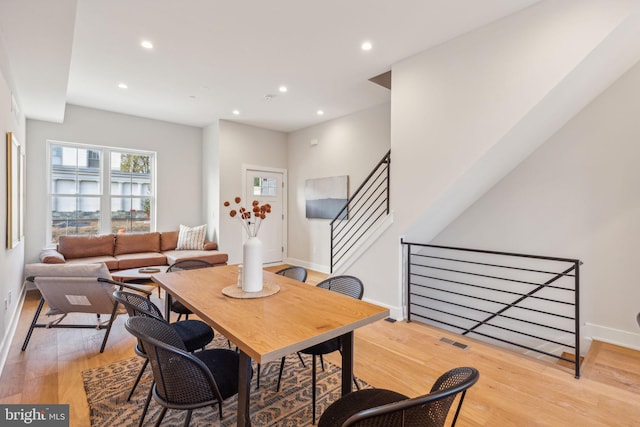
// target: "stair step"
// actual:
[[612, 364], [567, 364]]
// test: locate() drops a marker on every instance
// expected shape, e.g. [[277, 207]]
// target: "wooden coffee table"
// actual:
[[139, 274]]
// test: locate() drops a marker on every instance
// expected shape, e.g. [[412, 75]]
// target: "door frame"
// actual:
[[285, 203]]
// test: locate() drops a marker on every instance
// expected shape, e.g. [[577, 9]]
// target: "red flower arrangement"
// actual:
[[250, 219]]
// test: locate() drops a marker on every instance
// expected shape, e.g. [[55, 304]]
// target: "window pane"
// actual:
[[78, 193], [75, 170], [130, 174], [264, 186], [74, 215], [130, 214]]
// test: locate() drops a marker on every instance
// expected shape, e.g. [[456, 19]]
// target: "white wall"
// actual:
[[351, 145], [179, 164], [243, 145], [11, 260], [577, 196], [211, 179], [466, 112]]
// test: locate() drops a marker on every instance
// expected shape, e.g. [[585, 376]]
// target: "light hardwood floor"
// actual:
[[406, 357]]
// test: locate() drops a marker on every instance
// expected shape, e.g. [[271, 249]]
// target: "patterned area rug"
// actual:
[[107, 389]]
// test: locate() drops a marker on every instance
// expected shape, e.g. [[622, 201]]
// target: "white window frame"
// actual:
[[105, 184]]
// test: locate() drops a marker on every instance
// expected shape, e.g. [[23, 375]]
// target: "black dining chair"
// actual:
[[346, 285], [195, 334], [187, 264], [379, 407], [184, 380], [294, 272]]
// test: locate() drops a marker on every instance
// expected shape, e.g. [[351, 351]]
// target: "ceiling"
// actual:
[[211, 57]]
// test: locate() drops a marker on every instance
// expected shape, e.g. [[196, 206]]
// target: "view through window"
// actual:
[[80, 202]]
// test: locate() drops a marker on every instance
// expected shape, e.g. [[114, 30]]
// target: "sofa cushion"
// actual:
[[213, 257], [191, 237], [142, 259], [85, 246], [168, 240], [210, 246], [51, 256], [137, 242], [109, 261]]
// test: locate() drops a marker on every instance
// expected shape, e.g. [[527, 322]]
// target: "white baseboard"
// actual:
[[5, 345], [394, 312], [311, 266], [612, 336]]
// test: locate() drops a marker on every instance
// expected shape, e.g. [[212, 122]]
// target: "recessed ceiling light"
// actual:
[[146, 44], [366, 46], [123, 86], [236, 112], [320, 112], [283, 89]]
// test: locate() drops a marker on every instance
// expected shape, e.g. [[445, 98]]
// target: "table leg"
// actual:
[[347, 362], [168, 300], [244, 388]]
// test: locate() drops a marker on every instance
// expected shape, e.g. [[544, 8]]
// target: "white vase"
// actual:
[[252, 265]]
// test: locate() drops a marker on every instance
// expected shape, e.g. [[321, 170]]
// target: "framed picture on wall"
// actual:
[[325, 197], [15, 191]]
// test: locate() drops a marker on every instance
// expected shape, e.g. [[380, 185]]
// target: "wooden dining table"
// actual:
[[268, 328]]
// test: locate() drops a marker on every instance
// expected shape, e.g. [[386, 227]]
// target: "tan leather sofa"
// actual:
[[124, 251]]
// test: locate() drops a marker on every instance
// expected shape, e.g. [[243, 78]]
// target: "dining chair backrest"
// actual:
[[188, 264], [346, 285], [180, 377], [137, 305], [294, 272], [428, 410]]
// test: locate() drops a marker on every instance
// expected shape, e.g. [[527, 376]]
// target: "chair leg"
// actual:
[[144, 366], [301, 361], [146, 405], [179, 317], [322, 363], [164, 411], [258, 379], [280, 374], [33, 324], [108, 331], [187, 419], [313, 390]]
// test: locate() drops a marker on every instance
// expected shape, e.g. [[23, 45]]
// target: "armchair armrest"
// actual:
[[123, 285]]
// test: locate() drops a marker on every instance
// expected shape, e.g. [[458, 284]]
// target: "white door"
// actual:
[[267, 187]]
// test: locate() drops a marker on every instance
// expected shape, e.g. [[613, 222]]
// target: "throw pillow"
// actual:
[[191, 237]]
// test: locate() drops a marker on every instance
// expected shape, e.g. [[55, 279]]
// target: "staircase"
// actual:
[[360, 218]]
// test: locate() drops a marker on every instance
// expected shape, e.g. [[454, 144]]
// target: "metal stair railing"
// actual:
[[368, 204], [525, 302]]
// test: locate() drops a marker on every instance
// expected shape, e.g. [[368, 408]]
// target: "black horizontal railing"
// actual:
[[521, 301], [368, 204]]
